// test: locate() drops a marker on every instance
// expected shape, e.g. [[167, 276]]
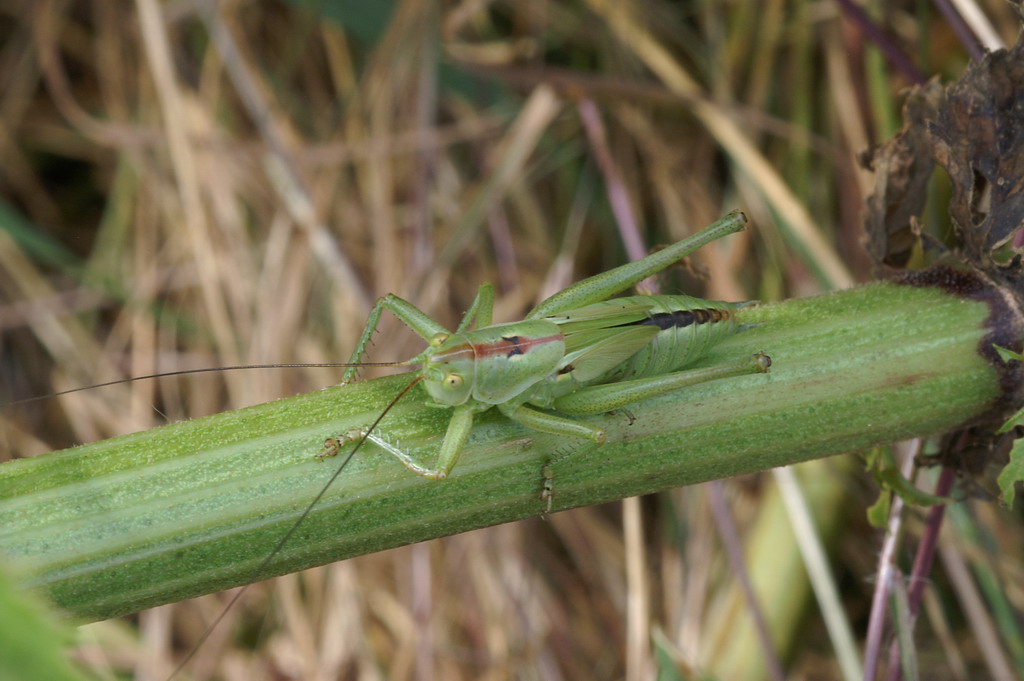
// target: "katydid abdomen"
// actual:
[[689, 327]]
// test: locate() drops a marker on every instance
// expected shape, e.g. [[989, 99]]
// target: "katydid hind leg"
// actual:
[[615, 281], [600, 399]]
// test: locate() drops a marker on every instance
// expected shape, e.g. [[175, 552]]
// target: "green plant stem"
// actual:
[[132, 522]]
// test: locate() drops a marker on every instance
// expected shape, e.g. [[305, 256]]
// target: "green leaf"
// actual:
[[882, 465], [36, 242], [1012, 473], [1007, 355], [31, 637], [1012, 422], [878, 512]]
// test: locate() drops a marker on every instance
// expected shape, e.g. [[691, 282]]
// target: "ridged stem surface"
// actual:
[[190, 508]]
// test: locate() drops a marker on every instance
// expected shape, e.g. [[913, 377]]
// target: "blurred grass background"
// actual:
[[193, 185]]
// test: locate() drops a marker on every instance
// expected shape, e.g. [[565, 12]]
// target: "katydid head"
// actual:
[[449, 368]]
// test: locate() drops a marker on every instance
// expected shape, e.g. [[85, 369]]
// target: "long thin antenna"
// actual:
[[291, 531], [182, 372]]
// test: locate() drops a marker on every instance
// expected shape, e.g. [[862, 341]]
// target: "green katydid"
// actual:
[[578, 352]]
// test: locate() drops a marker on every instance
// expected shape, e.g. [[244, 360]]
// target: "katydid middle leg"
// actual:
[[550, 423], [481, 310], [409, 314]]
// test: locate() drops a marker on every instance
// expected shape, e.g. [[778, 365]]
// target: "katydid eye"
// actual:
[[453, 381]]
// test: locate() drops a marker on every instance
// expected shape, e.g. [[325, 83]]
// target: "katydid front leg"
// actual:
[[417, 320], [480, 311], [455, 439], [479, 314]]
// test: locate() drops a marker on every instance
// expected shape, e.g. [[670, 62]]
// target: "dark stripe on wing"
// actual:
[[682, 318]]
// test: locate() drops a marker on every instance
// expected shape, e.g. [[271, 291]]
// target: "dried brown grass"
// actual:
[[243, 197]]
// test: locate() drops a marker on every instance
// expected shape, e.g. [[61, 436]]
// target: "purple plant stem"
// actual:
[[923, 562], [962, 30], [618, 197], [885, 576], [893, 54]]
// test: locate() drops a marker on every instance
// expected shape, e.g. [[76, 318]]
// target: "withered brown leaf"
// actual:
[[974, 130]]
